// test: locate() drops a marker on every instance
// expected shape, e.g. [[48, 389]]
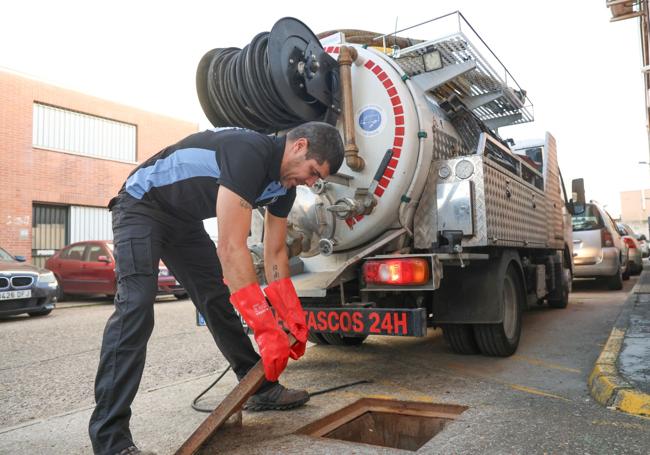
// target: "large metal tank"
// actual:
[[390, 113]]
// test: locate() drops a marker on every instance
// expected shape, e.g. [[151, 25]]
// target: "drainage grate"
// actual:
[[406, 425]]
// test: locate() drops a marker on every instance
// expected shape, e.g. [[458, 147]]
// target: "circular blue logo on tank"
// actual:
[[370, 119]]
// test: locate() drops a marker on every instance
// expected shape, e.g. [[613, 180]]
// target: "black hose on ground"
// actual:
[[311, 394], [196, 407]]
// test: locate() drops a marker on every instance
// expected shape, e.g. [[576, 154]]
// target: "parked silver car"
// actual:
[[598, 250], [635, 259]]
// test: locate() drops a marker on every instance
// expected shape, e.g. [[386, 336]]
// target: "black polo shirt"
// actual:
[[184, 179]]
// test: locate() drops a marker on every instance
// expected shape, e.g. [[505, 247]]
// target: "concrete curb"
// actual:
[[606, 384]]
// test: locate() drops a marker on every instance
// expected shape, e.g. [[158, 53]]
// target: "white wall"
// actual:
[[90, 223]]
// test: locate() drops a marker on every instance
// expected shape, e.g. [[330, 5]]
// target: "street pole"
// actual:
[[643, 198], [643, 25]]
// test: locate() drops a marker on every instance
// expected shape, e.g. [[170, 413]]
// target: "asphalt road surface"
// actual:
[[49, 363], [536, 401]]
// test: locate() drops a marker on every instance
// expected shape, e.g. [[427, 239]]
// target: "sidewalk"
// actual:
[[621, 377]]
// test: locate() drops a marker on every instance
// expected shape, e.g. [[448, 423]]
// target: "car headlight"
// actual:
[[47, 277]]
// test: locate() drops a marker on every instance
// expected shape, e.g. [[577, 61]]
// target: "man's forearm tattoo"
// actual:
[[276, 272], [245, 204]]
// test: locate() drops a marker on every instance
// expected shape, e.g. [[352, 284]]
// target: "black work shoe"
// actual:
[[277, 398], [133, 450]]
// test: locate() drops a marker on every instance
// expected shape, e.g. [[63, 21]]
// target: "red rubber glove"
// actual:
[[270, 338], [284, 299]]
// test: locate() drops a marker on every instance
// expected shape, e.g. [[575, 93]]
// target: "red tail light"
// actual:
[[413, 271], [629, 242], [606, 238]]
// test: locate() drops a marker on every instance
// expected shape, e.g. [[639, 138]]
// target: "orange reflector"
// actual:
[[408, 271]]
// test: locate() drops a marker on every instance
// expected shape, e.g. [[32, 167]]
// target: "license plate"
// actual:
[[368, 321], [200, 319], [12, 295]]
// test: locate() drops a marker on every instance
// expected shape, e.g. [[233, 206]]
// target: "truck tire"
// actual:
[[502, 339], [316, 338], [563, 300], [340, 340], [460, 338]]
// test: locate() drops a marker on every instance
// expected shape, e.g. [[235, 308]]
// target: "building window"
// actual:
[[50, 225], [68, 131]]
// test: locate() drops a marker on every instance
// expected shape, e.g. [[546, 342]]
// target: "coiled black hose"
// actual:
[[238, 89]]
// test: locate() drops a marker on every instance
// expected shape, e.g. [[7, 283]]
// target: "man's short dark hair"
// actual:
[[325, 143]]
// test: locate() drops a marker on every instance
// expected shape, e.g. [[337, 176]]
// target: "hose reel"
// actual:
[[279, 80]]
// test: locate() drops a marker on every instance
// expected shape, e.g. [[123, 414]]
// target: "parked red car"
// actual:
[[89, 268]]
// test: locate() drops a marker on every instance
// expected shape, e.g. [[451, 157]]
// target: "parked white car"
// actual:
[[635, 259], [645, 245], [598, 249]]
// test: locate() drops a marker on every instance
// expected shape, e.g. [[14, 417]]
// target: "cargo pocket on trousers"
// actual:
[[133, 255]]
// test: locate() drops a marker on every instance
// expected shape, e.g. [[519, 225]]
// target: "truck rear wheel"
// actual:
[[563, 300], [502, 339], [460, 338], [340, 340], [316, 338]]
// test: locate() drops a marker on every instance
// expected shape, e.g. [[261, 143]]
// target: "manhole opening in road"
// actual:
[[406, 425]]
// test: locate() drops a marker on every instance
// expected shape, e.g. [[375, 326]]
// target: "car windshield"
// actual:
[[4, 256], [110, 247], [588, 220]]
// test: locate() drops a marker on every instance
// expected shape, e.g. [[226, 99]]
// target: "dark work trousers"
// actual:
[[143, 234]]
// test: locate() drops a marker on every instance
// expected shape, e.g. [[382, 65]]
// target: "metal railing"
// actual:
[[446, 26]]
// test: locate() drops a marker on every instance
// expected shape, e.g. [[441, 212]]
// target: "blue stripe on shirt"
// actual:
[[180, 165], [273, 189]]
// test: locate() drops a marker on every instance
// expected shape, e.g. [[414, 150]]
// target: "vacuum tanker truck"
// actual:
[[434, 219]]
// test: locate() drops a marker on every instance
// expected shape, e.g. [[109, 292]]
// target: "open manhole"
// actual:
[[404, 425]]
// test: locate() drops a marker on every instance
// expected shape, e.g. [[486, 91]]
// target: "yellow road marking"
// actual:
[[543, 363], [521, 388], [536, 392]]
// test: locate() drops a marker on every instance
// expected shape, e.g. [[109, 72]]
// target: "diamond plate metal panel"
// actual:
[[516, 213], [446, 146], [507, 210], [518, 220], [553, 194], [480, 237], [425, 221], [455, 207]]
